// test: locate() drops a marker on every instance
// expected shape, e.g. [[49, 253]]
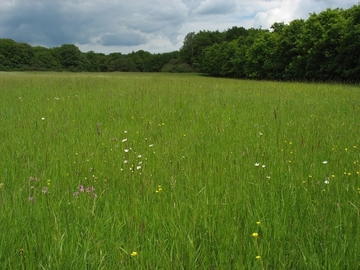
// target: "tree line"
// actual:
[[324, 47], [15, 56]]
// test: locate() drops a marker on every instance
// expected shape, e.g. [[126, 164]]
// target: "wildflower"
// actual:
[[48, 182], [1, 185], [138, 167], [258, 223], [139, 156], [30, 199], [43, 118], [76, 194], [255, 234], [126, 150], [263, 166], [257, 164], [151, 145], [159, 189], [326, 181], [133, 254], [258, 257], [324, 162], [44, 190], [90, 189], [260, 133], [124, 140], [81, 188]]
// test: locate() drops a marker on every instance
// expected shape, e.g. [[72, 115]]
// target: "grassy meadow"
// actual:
[[169, 171]]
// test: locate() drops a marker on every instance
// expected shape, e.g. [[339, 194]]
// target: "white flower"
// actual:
[[260, 133], [151, 145], [43, 118], [124, 140], [263, 166], [324, 162], [257, 164], [125, 161], [326, 181], [139, 156], [126, 150], [138, 167]]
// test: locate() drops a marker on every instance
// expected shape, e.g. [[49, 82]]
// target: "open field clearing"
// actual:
[[161, 171]]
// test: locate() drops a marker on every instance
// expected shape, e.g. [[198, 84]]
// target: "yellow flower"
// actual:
[[133, 254], [255, 234], [258, 257], [1, 185], [258, 223]]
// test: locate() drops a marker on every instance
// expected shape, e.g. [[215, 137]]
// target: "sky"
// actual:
[[156, 26]]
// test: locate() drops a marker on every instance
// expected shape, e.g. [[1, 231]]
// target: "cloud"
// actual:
[[213, 7]]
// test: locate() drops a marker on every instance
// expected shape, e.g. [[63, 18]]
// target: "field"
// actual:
[[161, 171]]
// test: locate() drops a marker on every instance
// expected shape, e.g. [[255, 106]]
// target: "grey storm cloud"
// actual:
[[154, 25]]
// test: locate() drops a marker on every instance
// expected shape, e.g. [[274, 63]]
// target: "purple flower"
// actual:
[[76, 193], [81, 188]]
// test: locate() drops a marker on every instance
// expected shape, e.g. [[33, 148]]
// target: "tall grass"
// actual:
[[154, 171]]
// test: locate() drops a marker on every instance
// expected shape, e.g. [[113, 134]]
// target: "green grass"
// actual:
[[171, 159]]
